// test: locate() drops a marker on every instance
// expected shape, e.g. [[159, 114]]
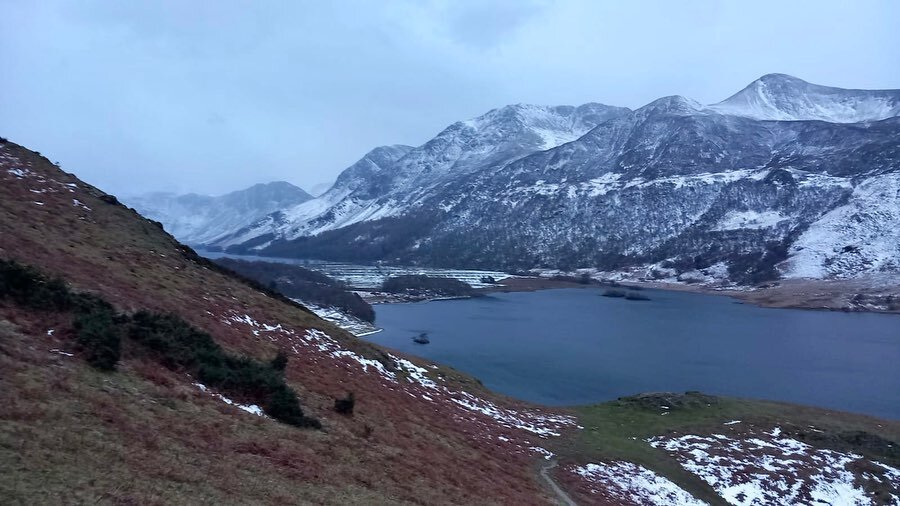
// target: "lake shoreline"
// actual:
[[820, 295]]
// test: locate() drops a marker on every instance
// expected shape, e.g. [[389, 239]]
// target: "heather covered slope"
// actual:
[[147, 434]]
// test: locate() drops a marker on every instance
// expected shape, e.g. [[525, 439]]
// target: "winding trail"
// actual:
[[560, 493]]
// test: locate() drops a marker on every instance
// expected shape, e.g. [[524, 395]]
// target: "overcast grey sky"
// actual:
[[209, 97]]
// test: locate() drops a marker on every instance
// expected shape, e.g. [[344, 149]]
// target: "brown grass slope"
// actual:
[[146, 435]]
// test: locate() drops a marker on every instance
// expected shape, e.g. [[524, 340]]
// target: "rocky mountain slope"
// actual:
[[783, 179], [390, 180], [197, 219]]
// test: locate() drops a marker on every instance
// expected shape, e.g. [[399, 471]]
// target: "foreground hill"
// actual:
[[158, 429], [785, 179], [147, 433]]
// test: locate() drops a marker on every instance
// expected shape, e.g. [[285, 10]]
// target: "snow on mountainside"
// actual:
[[862, 235], [197, 219], [785, 178], [785, 98], [388, 179]]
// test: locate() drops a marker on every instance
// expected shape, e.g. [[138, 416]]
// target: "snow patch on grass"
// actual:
[[350, 323], [419, 383], [540, 424], [78, 203], [542, 451], [770, 469], [249, 408], [20, 173], [632, 483]]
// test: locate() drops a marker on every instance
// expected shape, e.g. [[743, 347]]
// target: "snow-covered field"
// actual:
[[757, 468], [633, 484]]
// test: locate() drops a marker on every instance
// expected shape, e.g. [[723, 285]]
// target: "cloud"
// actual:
[[213, 96]]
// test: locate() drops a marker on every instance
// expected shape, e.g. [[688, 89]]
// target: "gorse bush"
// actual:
[[173, 342], [345, 406], [179, 346], [98, 332], [27, 287], [279, 363], [95, 320], [167, 338]]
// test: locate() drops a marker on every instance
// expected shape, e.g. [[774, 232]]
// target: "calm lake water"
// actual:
[[573, 346]]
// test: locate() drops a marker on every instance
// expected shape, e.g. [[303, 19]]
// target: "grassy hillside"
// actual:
[[146, 434]]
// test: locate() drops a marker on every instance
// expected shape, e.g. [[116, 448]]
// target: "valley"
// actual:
[[486, 253], [507, 386]]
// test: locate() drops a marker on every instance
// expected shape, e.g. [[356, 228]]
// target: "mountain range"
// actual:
[[197, 219], [135, 371], [784, 179]]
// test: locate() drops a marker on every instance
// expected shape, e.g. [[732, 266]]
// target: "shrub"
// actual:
[[175, 343], [169, 339], [279, 363], [345, 406], [26, 286], [97, 335], [284, 406], [179, 346]]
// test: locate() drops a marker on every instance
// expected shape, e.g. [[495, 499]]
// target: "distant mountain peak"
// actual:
[[783, 97], [196, 218], [782, 78], [674, 104]]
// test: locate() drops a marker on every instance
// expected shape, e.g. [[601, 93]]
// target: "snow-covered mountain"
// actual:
[[198, 219], [388, 180], [785, 98], [785, 178]]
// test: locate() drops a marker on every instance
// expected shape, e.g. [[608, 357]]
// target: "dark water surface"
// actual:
[[572, 346]]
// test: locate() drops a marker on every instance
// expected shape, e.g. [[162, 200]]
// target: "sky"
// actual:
[[213, 96]]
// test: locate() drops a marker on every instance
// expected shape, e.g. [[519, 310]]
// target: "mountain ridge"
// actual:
[[650, 189], [195, 218], [786, 98]]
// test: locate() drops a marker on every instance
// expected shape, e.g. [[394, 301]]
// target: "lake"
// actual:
[[573, 346]]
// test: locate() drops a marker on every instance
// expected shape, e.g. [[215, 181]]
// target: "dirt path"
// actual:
[[560, 493]]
